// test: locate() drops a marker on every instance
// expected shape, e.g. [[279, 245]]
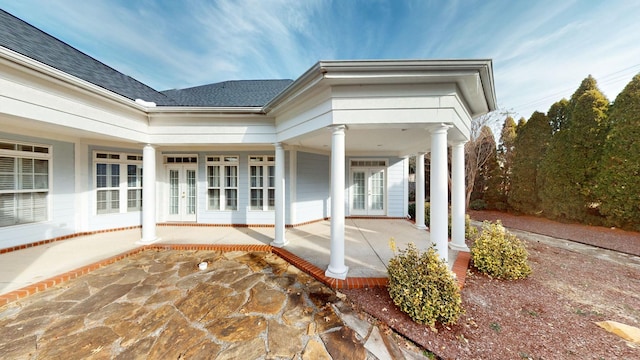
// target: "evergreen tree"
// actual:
[[487, 167], [530, 146], [500, 172], [618, 181], [506, 151], [558, 115], [568, 170]]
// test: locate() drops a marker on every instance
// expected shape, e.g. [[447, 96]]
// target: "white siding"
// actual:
[[396, 188], [313, 187]]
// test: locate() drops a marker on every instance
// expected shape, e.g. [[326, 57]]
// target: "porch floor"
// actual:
[[367, 249]]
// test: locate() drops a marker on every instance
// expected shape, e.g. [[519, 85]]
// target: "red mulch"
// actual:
[[549, 315], [607, 238]]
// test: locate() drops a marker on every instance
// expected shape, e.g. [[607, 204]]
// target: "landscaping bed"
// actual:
[[550, 315]]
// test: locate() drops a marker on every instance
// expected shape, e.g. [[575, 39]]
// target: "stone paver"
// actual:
[[159, 305]]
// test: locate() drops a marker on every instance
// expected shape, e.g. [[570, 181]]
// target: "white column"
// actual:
[[280, 240], [457, 198], [337, 268], [438, 221], [420, 191], [148, 195]]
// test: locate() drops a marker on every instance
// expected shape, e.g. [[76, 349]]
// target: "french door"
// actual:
[[182, 191], [368, 191]]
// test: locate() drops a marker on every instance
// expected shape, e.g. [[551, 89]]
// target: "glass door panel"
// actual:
[[174, 192], [368, 194], [182, 192], [359, 188], [376, 191]]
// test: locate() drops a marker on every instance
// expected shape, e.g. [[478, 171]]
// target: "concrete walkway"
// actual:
[[367, 248]]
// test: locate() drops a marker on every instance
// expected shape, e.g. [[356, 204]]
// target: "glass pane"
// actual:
[[256, 176], [231, 199], [272, 176], [115, 175], [41, 181], [134, 200], [132, 176], [191, 192], [7, 173], [115, 200], [101, 201], [358, 190], [272, 199], [377, 190], [25, 208], [256, 199], [101, 175], [174, 192], [7, 209], [26, 172], [41, 166], [214, 176], [214, 199], [231, 179]]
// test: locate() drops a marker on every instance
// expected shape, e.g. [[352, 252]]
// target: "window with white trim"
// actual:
[[262, 182], [24, 183], [118, 182], [222, 182]]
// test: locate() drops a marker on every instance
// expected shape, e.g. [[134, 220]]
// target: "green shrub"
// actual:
[[500, 254], [422, 286], [478, 204], [470, 232], [412, 211]]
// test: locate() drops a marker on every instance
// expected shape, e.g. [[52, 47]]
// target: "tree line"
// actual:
[[579, 162]]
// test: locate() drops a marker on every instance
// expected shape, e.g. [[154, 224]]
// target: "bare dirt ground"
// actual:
[[550, 315]]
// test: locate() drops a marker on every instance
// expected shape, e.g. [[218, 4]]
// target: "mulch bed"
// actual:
[[550, 315]]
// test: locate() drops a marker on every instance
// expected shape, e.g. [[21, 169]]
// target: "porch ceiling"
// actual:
[[394, 139]]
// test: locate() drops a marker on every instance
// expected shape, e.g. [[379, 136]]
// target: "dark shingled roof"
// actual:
[[30, 41], [230, 93]]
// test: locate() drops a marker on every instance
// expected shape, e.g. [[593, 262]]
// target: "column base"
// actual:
[[458, 247], [421, 227], [279, 244], [337, 275], [148, 242]]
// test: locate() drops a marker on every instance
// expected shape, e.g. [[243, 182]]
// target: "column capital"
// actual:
[[441, 129], [337, 128], [460, 142], [278, 145]]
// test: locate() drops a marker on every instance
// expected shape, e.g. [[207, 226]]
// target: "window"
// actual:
[[222, 182], [118, 182], [24, 183], [262, 182]]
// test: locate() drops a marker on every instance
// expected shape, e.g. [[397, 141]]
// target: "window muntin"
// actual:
[[118, 181], [24, 183], [262, 182], [222, 182]]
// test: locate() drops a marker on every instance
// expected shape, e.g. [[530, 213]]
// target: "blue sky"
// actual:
[[541, 50]]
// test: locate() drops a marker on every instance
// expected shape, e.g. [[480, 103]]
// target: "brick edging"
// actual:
[[459, 267]]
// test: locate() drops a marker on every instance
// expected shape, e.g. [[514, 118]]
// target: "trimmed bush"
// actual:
[[478, 204], [500, 254], [422, 286]]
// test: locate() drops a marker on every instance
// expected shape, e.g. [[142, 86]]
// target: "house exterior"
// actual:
[[85, 148]]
